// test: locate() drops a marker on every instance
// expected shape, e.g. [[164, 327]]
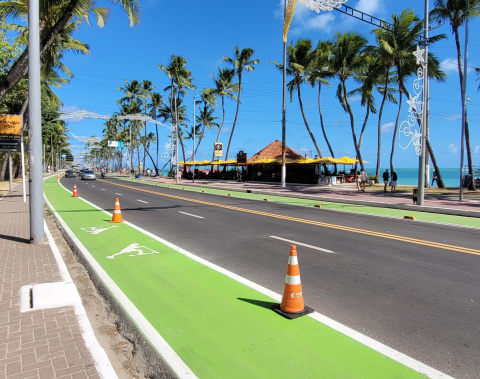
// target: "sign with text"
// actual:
[[10, 146], [218, 148], [115, 144], [10, 127]]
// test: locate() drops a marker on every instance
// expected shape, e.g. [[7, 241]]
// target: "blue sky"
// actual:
[[203, 32]]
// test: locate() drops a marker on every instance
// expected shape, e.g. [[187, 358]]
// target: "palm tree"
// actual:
[[58, 17], [180, 80], [206, 117], [348, 60], [299, 60], [130, 105], [456, 12], [154, 108], [320, 72], [401, 42], [224, 88], [385, 63], [145, 95], [241, 61]]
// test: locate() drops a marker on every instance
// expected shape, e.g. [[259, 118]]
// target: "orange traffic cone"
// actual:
[[117, 213], [75, 193], [292, 305]]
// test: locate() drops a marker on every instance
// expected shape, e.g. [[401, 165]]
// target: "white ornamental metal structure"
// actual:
[[91, 115]]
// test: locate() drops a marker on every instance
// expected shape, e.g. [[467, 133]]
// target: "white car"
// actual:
[[88, 175]]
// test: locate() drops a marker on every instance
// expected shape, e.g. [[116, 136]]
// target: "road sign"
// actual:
[[10, 127], [218, 148], [9, 146], [112, 143]]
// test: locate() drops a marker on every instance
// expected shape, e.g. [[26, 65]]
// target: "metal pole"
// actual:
[[193, 163], [427, 134], [284, 107], [10, 171], [421, 169], [35, 121], [131, 152], [176, 143], [23, 166], [464, 103]]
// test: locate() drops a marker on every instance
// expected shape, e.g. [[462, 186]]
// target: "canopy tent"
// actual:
[[327, 160]]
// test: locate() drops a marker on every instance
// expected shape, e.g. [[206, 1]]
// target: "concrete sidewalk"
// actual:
[[40, 336]]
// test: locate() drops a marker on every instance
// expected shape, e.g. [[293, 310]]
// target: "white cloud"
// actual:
[[453, 148], [450, 65], [477, 150], [308, 20], [388, 127]]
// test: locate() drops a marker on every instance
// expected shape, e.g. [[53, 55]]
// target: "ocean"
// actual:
[[409, 176]]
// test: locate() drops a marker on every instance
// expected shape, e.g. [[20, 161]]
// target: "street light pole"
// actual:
[[421, 164], [193, 156], [35, 122]]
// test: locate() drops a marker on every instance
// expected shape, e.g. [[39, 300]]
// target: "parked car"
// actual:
[[88, 175], [70, 174]]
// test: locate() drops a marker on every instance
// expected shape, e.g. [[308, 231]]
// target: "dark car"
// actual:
[[88, 175], [70, 174], [80, 173]]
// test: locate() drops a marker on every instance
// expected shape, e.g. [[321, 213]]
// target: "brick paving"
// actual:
[[39, 343]]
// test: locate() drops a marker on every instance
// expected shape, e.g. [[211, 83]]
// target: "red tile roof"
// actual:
[[274, 151]]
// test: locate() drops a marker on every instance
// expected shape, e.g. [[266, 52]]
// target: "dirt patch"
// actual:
[[119, 350]]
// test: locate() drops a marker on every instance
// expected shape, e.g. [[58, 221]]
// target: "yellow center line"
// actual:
[[416, 241]]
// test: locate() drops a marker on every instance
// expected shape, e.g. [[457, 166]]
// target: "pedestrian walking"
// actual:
[[434, 177], [386, 178], [393, 183]]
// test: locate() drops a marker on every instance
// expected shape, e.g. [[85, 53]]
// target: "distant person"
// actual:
[[434, 177], [363, 183], [393, 183], [358, 180], [386, 178], [259, 175]]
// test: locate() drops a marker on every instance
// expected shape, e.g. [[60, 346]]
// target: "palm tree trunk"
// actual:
[[362, 132], [379, 127], [321, 122], [306, 123], [429, 147], [395, 131], [467, 131], [201, 137], [352, 124], [236, 114], [221, 126]]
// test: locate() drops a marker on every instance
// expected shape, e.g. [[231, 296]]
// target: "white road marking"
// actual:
[[189, 214], [304, 244], [146, 202], [119, 194], [93, 186], [103, 189]]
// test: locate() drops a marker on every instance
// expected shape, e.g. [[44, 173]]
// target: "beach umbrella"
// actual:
[[303, 160], [347, 160], [327, 160]]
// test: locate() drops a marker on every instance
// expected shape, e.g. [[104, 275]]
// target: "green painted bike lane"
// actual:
[[363, 209], [218, 326]]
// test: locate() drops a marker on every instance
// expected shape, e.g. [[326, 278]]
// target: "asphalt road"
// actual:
[[412, 286]]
